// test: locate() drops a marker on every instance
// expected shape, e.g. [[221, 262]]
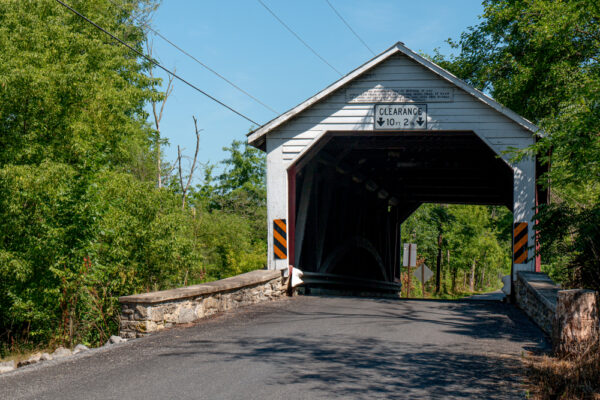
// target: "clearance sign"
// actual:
[[405, 116]]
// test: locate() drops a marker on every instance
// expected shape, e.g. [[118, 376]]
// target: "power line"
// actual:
[[298, 37], [349, 27], [139, 53], [200, 62]]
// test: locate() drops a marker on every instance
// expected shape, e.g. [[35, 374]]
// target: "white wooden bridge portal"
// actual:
[[346, 167]]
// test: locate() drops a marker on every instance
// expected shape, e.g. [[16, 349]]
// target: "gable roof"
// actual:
[[257, 137]]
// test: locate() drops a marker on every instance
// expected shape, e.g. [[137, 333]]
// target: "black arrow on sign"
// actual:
[[420, 121], [380, 121]]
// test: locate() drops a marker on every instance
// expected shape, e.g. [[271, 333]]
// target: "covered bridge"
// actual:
[[347, 166]]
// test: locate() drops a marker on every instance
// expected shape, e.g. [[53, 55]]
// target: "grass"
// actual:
[[573, 377], [460, 293]]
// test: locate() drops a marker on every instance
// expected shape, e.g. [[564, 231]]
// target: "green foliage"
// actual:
[[572, 241], [81, 219], [67, 93], [541, 59], [235, 212], [231, 245], [474, 240], [241, 187]]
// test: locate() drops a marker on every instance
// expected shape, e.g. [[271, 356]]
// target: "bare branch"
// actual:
[[170, 170], [191, 175], [167, 94], [158, 114], [180, 174]]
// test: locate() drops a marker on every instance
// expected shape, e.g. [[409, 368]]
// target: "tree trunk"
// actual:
[[472, 276], [454, 273], [448, 269], [438, 267], [482, 282]]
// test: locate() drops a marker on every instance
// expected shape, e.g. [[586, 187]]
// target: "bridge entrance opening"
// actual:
[[350, 194]]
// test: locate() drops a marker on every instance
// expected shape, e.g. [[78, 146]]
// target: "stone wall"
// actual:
[[150, 312], [569, 317], [536, 294]]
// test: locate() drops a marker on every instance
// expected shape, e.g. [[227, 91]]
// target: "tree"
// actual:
[[185, 187], [478, 237], [440, 218], [541, 59], [241, 186], [82, 217], [67, 93], [71, 111]]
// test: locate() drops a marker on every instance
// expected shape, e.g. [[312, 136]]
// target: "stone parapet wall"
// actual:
[[150, 312], [537, 294], [569, 317]]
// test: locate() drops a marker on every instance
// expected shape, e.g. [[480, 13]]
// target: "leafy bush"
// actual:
[[81, 220]]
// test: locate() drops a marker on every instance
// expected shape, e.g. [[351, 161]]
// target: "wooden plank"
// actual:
[[511, 141], [340, 97], [433, 110], [413, 81], [368, 116], [330, 107], [367, 125], [292, 149]]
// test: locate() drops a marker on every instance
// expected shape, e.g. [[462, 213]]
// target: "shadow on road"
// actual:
[[368, 366]]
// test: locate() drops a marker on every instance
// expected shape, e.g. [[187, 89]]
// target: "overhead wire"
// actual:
[[139, 53], [298, 37], [349, 27], [199, 62]]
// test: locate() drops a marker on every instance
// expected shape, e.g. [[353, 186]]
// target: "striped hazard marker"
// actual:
[[520, 237], [279, 239]]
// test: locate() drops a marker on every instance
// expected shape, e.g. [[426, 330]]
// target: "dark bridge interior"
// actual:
[[354, 191]]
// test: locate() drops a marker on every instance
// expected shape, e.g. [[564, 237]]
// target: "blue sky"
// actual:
[[246, 44]]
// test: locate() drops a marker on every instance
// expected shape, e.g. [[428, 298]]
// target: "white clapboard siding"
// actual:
[[467, 105], [433, 110], [407, 83], [333, 113], [367, 117]]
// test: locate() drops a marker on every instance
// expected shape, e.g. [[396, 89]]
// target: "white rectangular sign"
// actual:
[[407, 116], [381, 94], [409, 258]]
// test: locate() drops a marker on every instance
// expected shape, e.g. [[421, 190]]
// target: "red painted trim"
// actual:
[[291, 213]]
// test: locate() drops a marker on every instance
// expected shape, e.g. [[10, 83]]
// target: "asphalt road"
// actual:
[[306, 348]]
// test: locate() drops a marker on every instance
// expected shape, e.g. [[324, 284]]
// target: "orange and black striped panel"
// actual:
[[279, 239], [520, 238]]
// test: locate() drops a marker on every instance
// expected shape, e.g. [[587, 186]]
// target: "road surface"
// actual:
[[306, 348]]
